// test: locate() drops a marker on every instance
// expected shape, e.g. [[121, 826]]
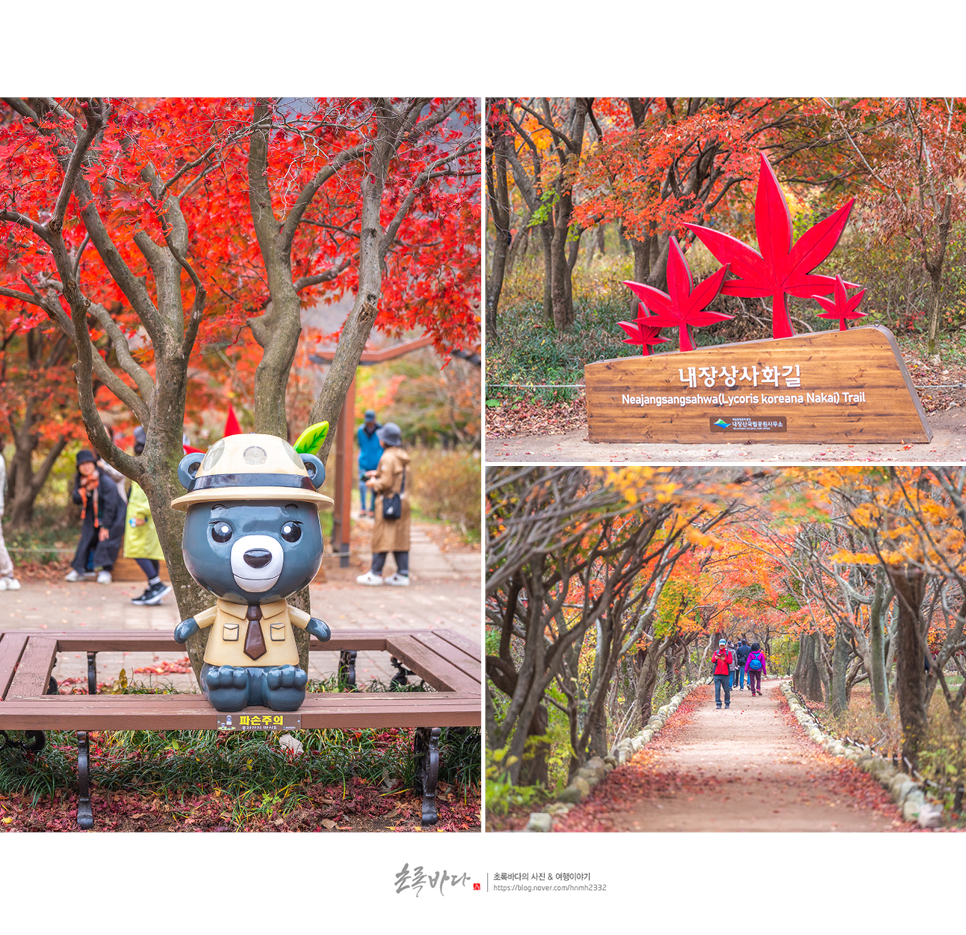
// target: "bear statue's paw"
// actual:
[[227, 677], [227, 687], [285, 687], [286, 677]]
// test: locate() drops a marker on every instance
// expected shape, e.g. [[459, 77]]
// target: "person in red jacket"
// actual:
[[722, 660], [755, 667]]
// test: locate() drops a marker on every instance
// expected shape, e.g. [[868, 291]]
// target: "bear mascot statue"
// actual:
[[252, 537]]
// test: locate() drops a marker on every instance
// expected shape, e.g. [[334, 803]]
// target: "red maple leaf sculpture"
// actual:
[[681, 306], [779, 268], [641, 331], [843, 308]]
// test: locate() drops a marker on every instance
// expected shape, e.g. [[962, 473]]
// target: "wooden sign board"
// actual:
[[834, 386]]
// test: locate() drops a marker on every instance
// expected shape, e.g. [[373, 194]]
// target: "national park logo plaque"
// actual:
[[849, 385]]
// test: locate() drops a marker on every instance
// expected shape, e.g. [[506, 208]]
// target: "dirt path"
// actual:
[[749, 768]]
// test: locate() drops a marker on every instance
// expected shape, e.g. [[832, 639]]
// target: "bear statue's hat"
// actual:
[[249, 467]]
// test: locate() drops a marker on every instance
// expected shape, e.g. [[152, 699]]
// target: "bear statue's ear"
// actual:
[[315, 468], [188, 467]]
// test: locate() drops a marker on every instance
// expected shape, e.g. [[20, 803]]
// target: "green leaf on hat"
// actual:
[[312, 439]]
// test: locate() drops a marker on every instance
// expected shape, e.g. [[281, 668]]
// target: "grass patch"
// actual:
[[250, 775], [528, 350]]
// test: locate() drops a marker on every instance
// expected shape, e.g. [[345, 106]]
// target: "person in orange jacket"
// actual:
[[723, 659]]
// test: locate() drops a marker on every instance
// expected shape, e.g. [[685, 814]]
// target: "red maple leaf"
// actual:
[[642, 331], [780, 268], [681, 306], [843, 308]]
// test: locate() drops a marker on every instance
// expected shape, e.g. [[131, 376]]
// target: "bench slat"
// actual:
[[457, 639], [126, 641], [192, 712], [33, 673], [429, 665], [162, 641], [455, 655], [11, 649]]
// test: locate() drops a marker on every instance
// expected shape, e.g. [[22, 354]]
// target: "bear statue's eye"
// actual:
[[291, 532], [220, 532]]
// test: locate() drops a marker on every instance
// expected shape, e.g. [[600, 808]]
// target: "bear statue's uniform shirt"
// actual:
[[229, 625]]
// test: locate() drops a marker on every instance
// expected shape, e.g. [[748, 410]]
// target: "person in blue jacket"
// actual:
[[370, 451]]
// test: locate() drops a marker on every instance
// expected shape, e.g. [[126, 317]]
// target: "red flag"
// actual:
[[231, 423]]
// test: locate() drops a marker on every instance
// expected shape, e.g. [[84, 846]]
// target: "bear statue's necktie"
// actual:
[[254, 641]]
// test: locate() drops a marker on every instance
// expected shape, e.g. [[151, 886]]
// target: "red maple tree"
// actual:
[[151, 231]]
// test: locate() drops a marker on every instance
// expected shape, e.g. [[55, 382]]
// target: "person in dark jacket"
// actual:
[[102, 513], [722, 661], [370, 451], [742, 656]]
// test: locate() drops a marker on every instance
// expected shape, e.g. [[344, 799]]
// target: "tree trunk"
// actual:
[[642, 270], [534, 772], [498, 202], [560, 280], [880, 687], [807, 677], [935, 270], [25, 483], [838, 698], [546, 239], [598, 732], [659, 247], [518, 247], [646, 682], [910, 587]]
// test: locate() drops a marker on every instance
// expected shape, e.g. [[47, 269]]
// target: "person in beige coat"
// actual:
[[390, 535]]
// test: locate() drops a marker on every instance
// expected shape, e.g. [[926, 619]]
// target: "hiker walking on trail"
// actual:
[[370, 451], [755, 667], [390, 533], [741, 652], [734, 664], [723, 659]]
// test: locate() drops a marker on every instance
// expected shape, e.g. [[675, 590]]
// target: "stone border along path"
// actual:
[[914, 804], [595, 769], [905, 792]]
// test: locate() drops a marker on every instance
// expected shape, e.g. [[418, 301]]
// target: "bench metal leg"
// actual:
[[426, 748], [85, 814], [400, 678], [347, 668], [91, 674], [35, 741]]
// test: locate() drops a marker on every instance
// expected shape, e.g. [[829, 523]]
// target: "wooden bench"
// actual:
[[446, 661]]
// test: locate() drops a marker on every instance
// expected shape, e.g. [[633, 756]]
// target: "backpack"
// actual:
[[754, 663]]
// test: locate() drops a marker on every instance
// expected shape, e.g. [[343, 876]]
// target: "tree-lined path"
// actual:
[[747, 768]]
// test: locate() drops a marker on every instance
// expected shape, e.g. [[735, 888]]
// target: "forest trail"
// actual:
[[747, 768]]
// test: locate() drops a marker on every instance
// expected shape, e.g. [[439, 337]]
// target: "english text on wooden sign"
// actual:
[[847, 386]]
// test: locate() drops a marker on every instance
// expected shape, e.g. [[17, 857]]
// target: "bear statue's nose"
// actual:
[[258, 558]]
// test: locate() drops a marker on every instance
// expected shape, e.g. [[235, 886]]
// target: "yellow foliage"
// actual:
[[844, 557]]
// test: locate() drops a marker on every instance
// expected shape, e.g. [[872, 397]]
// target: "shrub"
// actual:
[[446, 487]]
